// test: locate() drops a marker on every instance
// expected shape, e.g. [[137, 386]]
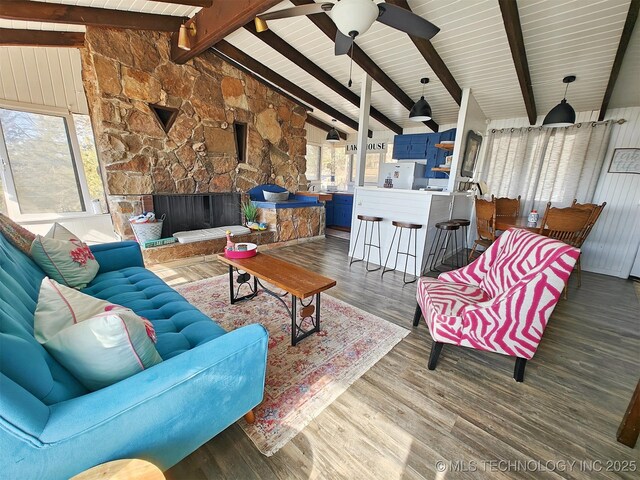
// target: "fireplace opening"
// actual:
[[199, 211]]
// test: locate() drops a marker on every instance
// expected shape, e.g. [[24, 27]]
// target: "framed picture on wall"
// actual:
[[625, 160], [471, 152]]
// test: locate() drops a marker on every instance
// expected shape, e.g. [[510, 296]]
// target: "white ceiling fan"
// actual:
[[355, 17]]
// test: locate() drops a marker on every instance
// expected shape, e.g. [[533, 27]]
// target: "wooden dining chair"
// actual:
[[595, 211], [507, 207], [485, 224], [565, 224]]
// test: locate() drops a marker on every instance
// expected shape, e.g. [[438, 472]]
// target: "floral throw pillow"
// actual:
[[18, 236], [63, 257]]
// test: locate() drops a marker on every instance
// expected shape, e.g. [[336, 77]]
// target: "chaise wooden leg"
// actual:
[[417, 316], [518, 372], [250, 417], [436, 348]]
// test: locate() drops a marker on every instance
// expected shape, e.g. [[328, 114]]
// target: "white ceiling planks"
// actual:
[[571, 37], [561, 37]]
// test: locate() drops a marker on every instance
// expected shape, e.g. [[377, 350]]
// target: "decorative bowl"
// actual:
[[251, 251]]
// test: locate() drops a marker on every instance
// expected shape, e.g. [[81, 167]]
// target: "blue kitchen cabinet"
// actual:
[[328, 206], [401, 146], [342, 207], [422, 146], [419, 144]]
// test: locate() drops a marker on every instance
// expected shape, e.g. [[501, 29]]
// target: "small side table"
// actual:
[[127, 469]]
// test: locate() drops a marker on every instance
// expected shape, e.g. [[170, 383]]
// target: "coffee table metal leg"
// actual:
[[243, 278], [307, 311]]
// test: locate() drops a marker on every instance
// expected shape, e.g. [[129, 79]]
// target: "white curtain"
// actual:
[[546, 165]]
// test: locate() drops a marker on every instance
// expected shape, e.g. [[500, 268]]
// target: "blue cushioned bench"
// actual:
[[256, 194], [52, 427]]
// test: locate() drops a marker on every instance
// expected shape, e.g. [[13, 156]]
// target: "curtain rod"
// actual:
[[620, 121]]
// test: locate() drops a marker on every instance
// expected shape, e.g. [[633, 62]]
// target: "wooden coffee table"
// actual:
[[295, 280]]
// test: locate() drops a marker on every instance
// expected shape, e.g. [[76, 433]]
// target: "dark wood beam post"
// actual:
[[316, 122], [265, 72], [429, 53], [630, 425], [627, 30], [511, 19], [215, 23], [100, 17], [324, 23], [40, 38], [278, 44]]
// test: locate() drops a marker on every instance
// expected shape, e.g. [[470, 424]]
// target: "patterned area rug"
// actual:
[[302, 380]]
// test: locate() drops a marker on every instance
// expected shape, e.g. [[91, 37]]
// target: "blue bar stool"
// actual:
[[400, 226], [375, 221]]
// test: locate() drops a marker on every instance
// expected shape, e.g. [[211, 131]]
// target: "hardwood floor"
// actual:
[[399, 418]]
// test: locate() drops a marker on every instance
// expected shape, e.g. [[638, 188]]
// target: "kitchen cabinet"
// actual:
[[328, 205], [422, 146], [341, 207]]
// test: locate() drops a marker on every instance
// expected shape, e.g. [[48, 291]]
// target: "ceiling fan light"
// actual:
[[354, 16], [333, 136], [562, 115], [261, 25], [421, 111]]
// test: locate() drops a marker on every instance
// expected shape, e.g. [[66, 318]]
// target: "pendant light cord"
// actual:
[[566, 89], [351, 65]]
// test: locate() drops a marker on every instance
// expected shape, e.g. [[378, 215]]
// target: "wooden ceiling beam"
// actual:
[[279, 45], [511, 19], [40, 38], [75, 15], [316, 122], [324, 23], [429, 53], [215, 23], [191, 3], [265, 72], [627, 30]]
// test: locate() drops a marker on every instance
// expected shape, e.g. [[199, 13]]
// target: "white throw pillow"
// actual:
[[100, 343]]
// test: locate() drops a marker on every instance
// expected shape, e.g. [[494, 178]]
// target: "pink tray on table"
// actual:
[[251, 251]]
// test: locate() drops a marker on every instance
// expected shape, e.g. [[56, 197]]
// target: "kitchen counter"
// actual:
[[420, 207]]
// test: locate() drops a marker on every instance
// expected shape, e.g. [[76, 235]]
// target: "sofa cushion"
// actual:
[[64, 257], [178, 324], [443, 306], [20, 280]]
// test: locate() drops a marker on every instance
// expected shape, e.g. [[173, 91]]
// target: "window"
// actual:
[[334, 166], [49, 164], [313, 162], [372, 164]]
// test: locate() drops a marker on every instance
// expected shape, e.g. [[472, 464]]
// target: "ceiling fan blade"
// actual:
[[297, 11], [406, 21], [343, 43]]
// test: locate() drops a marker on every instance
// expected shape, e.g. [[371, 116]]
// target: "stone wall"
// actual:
[[294, 223], [124, 71]]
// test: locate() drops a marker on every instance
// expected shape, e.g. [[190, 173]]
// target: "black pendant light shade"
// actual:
[[333, 136], [563, 114], [421, 110]]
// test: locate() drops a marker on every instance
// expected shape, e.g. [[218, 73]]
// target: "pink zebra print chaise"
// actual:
[[502, 301]]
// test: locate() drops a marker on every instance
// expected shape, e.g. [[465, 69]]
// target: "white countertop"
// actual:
[[414, 192]]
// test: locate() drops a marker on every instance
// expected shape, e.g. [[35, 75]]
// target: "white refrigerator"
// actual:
[[402, 175]]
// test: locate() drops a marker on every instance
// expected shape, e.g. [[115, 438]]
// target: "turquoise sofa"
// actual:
[[51, 427]]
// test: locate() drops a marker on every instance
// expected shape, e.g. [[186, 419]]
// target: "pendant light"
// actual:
[[333, 136], [563, 114], [421, 110]]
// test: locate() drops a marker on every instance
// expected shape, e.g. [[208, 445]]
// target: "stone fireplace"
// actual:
[[229, 133]]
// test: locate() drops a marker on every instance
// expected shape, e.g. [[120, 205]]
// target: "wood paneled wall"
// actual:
[[42, 76]]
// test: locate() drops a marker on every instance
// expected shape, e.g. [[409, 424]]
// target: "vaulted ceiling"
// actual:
[[560, 37]]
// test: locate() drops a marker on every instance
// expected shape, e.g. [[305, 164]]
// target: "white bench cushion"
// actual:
[[209, 233]]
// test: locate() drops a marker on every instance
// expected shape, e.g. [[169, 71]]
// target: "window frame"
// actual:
[[6, 176]]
